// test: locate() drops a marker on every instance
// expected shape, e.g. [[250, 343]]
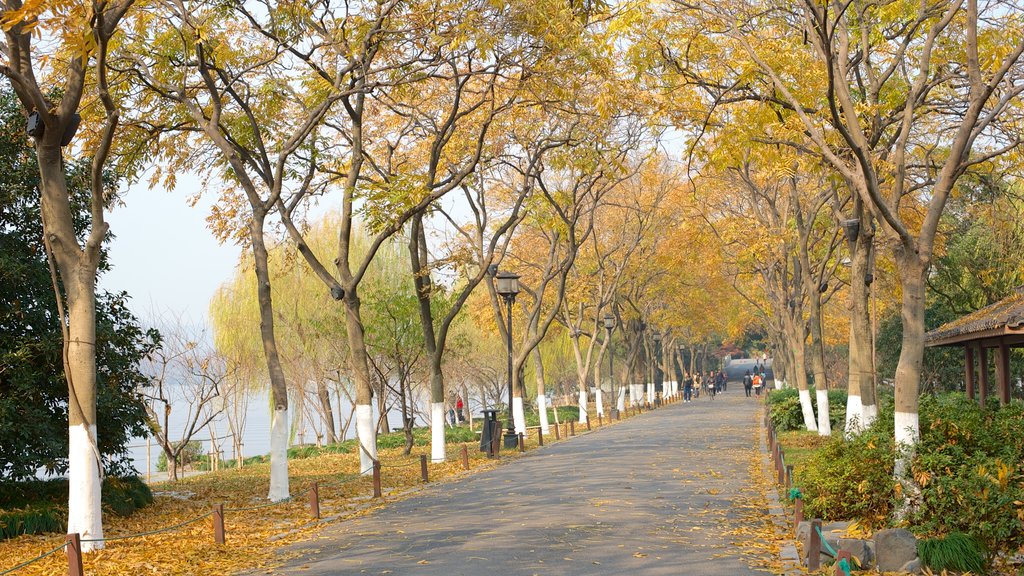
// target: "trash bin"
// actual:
[[487, 431]]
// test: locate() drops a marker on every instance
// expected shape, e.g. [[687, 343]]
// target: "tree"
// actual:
[[183, 372], [78, 36]]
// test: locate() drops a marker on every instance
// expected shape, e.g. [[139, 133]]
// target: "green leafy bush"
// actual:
[[33, 520], [123, 496], [785, 412], [39, 506], [969, 469], [958, 552], [968, 472], [852, 479]]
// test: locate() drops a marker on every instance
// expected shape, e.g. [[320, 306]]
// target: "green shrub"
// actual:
[[191, 455], [969, 469], [785, 412], [565, 414], [123, 496], [851, 479], [38, 506], [33, 520], [957, 552]]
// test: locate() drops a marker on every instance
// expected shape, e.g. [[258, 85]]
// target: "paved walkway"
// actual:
[[663, 493]]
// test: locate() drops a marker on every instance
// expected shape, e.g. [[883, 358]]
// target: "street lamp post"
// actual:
[[507, 285], [609, 325]]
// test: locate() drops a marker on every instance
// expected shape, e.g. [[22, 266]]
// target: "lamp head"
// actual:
[[507, 283]]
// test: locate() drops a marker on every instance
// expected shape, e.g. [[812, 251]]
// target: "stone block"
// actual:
[[894, 548], [913, 567], [861, 550]]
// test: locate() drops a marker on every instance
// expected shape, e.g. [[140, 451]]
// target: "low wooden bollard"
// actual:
[[376, 479], [814, 546], [600, 420], [558, 434], [789, 476], [618, 415], [496, 440], [73, 550], [465, 458], [540, 436], [843, 555], [588, 424], [424, 473], [522, 442], [218, 523], [572, 428], [782, 468], [314, 500], [798, 513]]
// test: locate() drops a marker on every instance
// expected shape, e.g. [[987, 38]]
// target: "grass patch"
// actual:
[[957, 552], [799, 445]]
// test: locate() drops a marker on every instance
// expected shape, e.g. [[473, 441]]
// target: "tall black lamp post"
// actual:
[[609, 325], [507, 285]]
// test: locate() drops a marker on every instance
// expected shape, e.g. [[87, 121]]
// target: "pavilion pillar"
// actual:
[[969, 370], [1003, 371], [983, 370]]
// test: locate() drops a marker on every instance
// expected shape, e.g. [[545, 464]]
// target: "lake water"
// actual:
[[256, 434]]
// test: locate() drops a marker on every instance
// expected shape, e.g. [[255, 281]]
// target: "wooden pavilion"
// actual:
[[999, 326]]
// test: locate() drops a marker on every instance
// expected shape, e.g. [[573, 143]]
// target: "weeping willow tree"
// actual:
[[312, 337]]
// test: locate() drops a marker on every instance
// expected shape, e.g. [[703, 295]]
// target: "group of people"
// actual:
[[753, 383], [456, 415], [709, 383]]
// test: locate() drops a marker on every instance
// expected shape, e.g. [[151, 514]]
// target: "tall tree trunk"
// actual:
[[324, 396], [366, 432], [818, 364], [861, 408], [796, 343], [542, 405], [279, 429], [908, 370], [424, 286]]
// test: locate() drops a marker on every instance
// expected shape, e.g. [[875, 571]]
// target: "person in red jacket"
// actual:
[[458, 409]]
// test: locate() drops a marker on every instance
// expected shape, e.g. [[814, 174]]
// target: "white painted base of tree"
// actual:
[[279, 433], [808, 411], [583, 406], [518, 415], [437, 432], [598, 402], [85, 511], [907, 431], [366, 432], [650, 393], [542, 410], [869, 415], [824, 424], [621, 404], [854, 415]]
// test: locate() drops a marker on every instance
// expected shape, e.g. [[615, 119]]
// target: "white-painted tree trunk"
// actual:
[[437, 449], [869, 415], [367, 434], [907, 426], [542, 409], [518, 415], [583, 406], [279, 456], [84, 507], [650, 393], [854, 415], [808, 410], [598, 402], [622, 400], [824, 424]]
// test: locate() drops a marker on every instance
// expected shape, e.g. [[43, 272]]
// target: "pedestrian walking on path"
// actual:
[[748, 384], [758, 382], [688, 388]]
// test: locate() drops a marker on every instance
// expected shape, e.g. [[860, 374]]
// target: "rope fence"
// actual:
[[72, 545], [817, 545]]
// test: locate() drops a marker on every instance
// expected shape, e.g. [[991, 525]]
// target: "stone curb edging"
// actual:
[[788, 553]]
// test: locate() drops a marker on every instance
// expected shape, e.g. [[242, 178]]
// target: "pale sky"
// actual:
[[164, 255]]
